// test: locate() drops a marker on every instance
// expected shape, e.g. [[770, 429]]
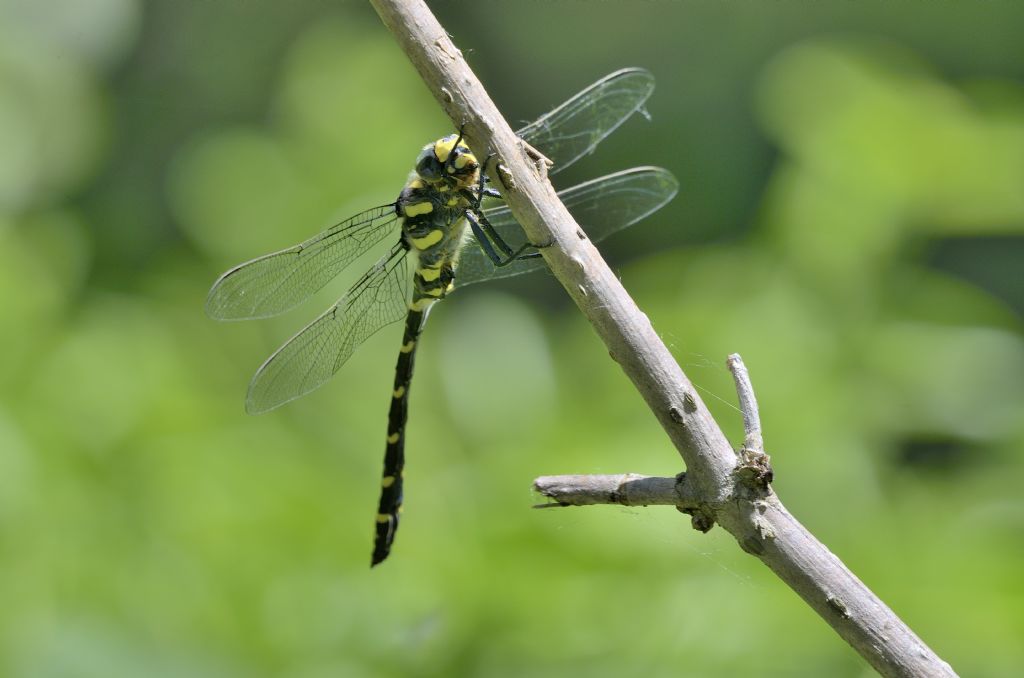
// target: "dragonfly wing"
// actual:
[[276, 282], [574, 129], [601, 206], [312, 356]]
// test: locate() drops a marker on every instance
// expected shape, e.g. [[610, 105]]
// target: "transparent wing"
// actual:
[[572, 130], [279, 281], [601, 206], [312, 356], [276, 282]]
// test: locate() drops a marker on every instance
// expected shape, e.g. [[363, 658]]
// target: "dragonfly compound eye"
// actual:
[[428, 166]]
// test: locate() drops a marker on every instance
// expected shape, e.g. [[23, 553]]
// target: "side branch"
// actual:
[[755, 469], [748, 404], [749, 511], [627, 489]]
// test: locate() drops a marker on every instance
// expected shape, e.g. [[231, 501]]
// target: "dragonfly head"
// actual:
[[448, 160]]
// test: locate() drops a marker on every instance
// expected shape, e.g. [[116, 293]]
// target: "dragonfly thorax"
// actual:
[[434, 202]]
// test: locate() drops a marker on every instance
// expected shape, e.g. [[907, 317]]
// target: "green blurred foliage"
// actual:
[[850, 221]]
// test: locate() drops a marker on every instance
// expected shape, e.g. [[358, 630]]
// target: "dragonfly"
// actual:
[[440, 229]]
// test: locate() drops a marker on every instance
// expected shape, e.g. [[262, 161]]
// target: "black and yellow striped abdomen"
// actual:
[[434, 227], [394, 454]]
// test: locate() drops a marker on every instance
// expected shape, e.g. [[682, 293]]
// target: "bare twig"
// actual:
[[749, 509], [748, 404], [627, 489], [754, 468]]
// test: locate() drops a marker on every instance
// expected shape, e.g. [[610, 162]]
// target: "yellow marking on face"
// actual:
[[443, 148], [387, 481], [408, 346], [463, 160], [429, 274], [393, 438], [399, 392], [383, 518], [425, 207], [428, 240]]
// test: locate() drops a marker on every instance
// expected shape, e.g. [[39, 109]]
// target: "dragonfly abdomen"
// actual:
[[390, 504], [435, 231]]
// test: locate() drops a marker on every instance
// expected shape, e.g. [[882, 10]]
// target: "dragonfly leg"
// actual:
[[530, 255], [485, 235], [485, 242], [476, 198], [498, 240], [493, 234], [519, 254], [482, 191]]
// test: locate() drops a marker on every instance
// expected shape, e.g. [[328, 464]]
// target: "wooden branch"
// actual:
[[741, 501]]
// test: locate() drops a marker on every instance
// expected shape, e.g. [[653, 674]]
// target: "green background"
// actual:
[[850, 221]]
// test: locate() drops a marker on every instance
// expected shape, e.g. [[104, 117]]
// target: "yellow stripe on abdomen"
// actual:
[[421, 304], [427, 241], [429, 274], [416, 209]]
